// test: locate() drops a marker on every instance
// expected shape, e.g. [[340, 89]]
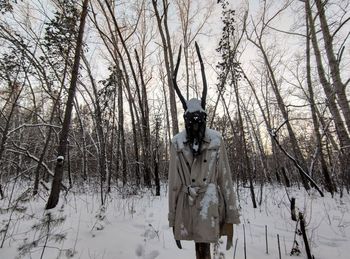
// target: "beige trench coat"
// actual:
[[201, 194]]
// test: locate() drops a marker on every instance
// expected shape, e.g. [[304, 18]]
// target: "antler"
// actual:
[[182, 99], [204, 93]]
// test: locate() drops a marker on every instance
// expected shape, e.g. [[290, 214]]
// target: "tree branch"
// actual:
[[340, 26]]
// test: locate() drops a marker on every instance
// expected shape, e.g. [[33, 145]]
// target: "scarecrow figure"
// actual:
[[202, 202]]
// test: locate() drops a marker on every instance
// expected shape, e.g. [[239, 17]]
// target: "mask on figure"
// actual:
[[195, 123], [195, 115]]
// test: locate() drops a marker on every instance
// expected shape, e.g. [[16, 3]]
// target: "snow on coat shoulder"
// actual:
[[211, 136]]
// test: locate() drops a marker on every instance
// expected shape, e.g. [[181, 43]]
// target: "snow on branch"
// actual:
[[33, 125], [28, 154]]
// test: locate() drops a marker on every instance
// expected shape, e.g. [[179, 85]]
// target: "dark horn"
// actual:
[[205, 86], [182, 99]]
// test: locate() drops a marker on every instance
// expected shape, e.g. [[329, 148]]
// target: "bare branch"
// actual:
[[287, 32], [340, 26], [33, 125]]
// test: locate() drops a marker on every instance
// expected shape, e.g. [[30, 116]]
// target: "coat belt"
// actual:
[[193, 191]]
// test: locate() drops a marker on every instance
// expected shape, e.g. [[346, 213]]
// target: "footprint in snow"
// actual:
[[152, 255], [140, 252]]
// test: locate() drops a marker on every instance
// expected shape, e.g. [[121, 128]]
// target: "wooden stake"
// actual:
[[292, 209], [245, 245], [267, 245], [303, 231], [279, 246], [234, 252]]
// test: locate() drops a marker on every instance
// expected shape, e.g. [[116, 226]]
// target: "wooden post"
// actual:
[[279, 246], [303, 231], [267, 245], [245, 245], [234, 252], [202, 251], [292, 209]]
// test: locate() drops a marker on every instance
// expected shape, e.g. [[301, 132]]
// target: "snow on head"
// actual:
[[194, 105], [209, 198]]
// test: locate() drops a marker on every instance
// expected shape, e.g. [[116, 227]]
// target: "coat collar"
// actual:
[[212, 140]]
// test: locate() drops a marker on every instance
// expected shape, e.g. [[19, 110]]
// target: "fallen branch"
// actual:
[[273, 134]]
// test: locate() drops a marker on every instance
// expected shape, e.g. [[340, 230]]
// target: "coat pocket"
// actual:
[[183, 218], [222, 212]]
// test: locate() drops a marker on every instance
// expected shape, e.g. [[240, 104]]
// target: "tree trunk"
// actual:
[[324, 169], [294, 143], [99, 126], [134, 122], [168, 59], [243, 140], [339, 86], [122, 158], [156, 156], [339, 125], [61, 152], [147, 154], [142, 105]]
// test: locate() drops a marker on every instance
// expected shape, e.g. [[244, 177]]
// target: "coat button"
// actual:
[[193, 180], [205, 160], [204, 179]]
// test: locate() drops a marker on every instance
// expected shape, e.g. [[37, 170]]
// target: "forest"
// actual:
[[88, 108]]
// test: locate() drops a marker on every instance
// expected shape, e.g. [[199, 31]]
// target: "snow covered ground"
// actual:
[[137, 227]]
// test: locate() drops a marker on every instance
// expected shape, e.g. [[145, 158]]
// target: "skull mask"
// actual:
[[195, 123]]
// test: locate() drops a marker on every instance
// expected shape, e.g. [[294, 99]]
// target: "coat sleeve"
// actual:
[[226, 187], [174, 185]]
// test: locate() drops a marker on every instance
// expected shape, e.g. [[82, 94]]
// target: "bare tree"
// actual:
[[55, 189], [258, 43], [339, 125], [162, 22], [324, 167], [333, 61]]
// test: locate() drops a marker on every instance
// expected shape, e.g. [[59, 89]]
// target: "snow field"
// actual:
[[135, 226]]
